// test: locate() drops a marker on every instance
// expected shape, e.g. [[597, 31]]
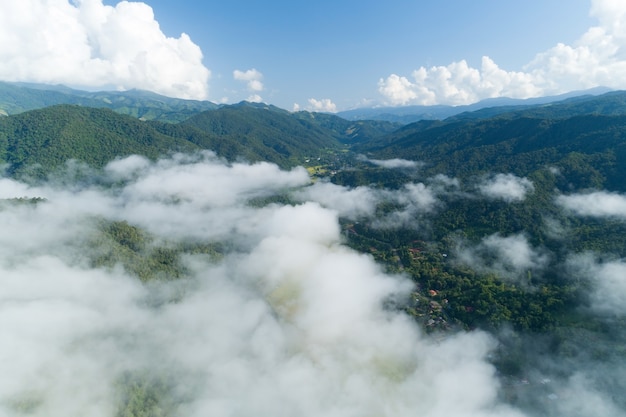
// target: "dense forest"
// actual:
[[507, 220]]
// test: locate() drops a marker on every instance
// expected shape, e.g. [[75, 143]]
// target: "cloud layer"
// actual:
[[287, 321], [87, 44], [596, 59]]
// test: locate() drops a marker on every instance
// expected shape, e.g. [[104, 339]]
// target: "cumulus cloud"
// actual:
[[595, 204], [91, 45], [323, 105], [507, 187], [598, 58], [287, 321], [252, 78], [456, 83], [255, 98]]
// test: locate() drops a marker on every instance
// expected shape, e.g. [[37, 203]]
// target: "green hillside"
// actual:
[[586, 147], [265, 129], [49, 137], [18, 97], [349, 132]]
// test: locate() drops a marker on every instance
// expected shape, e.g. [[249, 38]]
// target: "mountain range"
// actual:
[[97, 127]]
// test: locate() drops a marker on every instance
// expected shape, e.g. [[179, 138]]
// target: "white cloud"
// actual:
[[395, 163], [457, 83], [514, 251], [350, 203], [400, 91], [608, 279], [90, 45], [414, 200], [323, 105], [288, 319], [252, 77], [598, 58], [596, 204], [443, 183], [418, 196], [255, 98], [507, 187], [511, 257]]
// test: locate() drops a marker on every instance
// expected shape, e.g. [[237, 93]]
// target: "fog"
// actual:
[[287, 321], [510, 257], [507, 187]]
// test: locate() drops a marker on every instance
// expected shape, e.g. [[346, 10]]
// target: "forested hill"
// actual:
[[282, 130], [584, 136], [17, 98], [587, 146], [48, 137]]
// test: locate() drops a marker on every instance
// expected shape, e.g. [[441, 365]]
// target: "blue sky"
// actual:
[[322, 55], [340, 49]]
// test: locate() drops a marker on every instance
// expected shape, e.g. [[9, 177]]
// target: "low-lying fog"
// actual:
[[287, 321]]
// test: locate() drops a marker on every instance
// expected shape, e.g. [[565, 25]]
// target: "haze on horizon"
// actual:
[[304, 57]]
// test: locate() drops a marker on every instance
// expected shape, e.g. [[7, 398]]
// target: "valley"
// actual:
[[506, 228]]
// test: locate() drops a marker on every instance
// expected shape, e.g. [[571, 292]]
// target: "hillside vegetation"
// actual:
[[40, 140], [19, 97], [586, 147]]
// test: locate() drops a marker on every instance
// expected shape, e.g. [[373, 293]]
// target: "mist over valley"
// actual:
[[194, 260]]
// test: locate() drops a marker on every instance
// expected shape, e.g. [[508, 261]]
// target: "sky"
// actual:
[[323, 55]]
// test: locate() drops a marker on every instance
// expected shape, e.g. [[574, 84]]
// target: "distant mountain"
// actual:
[[19, 97], [349, 132], [609, 104], [411, 114]]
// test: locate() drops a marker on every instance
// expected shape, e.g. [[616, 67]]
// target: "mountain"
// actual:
[[582, 145], [582, 136], [608, 104], [255, 132], [48, 137], [347, 131], [19, 97], [411, 114]]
